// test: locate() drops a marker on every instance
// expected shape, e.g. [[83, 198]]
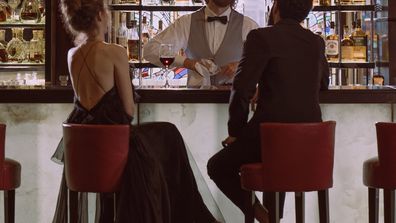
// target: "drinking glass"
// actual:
[[13, 5], [167, 57]]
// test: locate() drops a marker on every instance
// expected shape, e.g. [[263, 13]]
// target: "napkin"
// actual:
[[206, 68]]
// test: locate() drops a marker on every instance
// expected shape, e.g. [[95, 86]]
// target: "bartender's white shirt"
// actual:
[[178, 34]]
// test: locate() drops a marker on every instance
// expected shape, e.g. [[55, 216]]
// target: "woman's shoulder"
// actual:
[[114, 50]]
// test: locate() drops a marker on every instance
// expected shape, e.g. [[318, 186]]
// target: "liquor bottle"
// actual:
[[3, 44], [360, 43], [30, 12], [128, 1], [359, 2], [332, 50], [133, 42], [346, 46], [35, 49], [315, 2], [325, 2], [122, 32], [378, 80], [346, 2], [41, 44], [15, 48], [160, 26], [384, 48], [145, 31]]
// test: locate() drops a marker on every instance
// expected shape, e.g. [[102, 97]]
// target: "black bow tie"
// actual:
[[222, 19]]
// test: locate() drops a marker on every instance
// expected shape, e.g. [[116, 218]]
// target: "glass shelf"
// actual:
[[131, 7], [347, 8], [352, 65]]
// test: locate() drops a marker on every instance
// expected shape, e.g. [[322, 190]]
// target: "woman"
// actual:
[[157, 170]]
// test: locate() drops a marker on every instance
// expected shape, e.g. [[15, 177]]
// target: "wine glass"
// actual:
[[167, 57], [13, 5]]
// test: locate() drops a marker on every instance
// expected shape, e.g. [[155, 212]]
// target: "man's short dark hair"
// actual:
[[294, 9]]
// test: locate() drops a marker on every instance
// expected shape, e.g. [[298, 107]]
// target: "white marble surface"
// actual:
[[33, 131]]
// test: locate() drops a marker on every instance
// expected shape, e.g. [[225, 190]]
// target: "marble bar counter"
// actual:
[[34, 118]]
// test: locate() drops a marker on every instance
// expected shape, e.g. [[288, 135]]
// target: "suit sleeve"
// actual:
[[252, 65], [323, 66]]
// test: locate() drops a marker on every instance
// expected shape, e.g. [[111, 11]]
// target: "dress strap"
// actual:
[[91, 72]]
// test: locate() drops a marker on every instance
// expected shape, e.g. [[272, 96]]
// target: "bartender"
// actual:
[[214, 42]]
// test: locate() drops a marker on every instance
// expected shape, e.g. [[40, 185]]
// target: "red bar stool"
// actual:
[[296, 157], [380, 172], [95, 157], [10, 179]]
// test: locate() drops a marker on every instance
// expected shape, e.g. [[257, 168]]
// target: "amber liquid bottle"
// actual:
[[332, 47], [347, 46], [133, 42], [360, 43]]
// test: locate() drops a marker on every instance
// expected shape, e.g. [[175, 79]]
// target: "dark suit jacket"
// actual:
[[289, 65]]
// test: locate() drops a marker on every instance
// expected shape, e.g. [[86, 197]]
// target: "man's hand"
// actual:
[[229, 70], [190, 64], [228, 141]]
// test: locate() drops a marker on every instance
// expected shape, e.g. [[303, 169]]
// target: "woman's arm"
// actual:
[[122, 79]]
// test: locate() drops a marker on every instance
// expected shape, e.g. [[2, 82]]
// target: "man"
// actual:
[[218, 34], [289, 65]]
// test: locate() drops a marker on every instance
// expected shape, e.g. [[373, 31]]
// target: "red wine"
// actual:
[[166, 61]]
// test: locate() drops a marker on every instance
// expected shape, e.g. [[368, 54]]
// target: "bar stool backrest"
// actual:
[[298, 156], [2, 143], [386, 144], [95, 156]]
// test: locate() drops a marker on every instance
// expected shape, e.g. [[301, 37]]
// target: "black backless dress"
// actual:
[[158, 184]]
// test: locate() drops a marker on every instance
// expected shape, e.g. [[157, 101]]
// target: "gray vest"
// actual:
[[230, 49]]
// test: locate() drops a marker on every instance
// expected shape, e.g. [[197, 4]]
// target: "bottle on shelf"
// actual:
[[35, 48], [360, 43], [133, 42], [30, 12], [315, 2], [3, 44], [378, 79], [347, 46], [15, 48], [359, 2], [332, 50], [384, 48], [41, 39], [346, 2], [122, 32], [4, 11], [145, 31], [325, 2], [129, 1]]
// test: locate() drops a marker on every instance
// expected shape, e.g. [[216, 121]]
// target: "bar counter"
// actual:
[[220, 95], [34, 118]]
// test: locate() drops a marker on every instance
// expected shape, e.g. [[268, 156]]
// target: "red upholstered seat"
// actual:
[[380, 172], [95, 157], [296, 157], [10, 178]]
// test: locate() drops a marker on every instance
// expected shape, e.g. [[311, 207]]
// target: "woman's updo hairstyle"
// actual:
[[80, 15]]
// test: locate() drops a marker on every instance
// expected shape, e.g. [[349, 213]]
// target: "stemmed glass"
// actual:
[[13, 5], [167, 57]]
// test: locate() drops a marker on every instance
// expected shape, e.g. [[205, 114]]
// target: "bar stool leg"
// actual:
[[73, 206], [249, 200], [272, 204], [9, 206], [323, 198], [389, 206], [299, 198], [373, 195]]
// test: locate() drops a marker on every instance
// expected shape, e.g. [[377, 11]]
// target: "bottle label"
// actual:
[[347, 52], [332, 47]]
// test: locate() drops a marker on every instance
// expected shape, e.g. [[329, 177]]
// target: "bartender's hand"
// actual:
[[190, 64], [229, 70], [228, 141]]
